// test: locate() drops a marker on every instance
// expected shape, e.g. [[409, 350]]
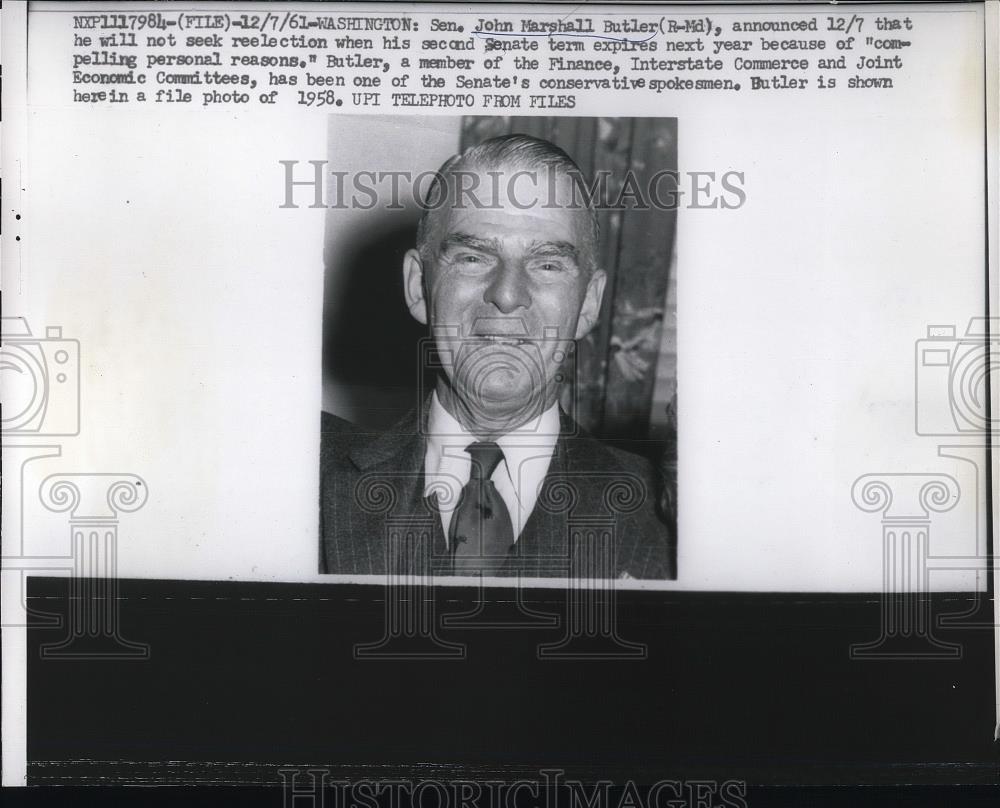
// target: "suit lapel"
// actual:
[[406, 533], [408, 526], [542, 545], [573, 490]]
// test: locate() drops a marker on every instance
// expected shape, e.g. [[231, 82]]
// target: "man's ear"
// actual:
[[591, 308], [413, 286]]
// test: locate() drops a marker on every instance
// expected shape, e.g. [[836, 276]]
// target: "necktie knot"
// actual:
[[481, 533], [486, 456]]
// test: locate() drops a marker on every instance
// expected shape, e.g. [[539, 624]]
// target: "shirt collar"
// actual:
[[536, 437]]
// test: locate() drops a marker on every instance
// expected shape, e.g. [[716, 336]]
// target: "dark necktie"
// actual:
[[481, 533]]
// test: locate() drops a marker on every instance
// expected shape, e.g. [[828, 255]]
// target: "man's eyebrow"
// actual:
[[453, 240], [554, 248]]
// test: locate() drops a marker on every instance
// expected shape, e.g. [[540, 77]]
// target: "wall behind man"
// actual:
[[370, 341]]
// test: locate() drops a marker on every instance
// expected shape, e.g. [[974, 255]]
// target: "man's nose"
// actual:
[[508, 288]]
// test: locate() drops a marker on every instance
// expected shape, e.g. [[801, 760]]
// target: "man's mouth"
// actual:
[[501, 339], [501, 330]]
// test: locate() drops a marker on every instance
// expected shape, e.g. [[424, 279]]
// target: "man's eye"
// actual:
[[549, 266], [470, 258]]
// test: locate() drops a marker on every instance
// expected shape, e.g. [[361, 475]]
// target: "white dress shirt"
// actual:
[[527, 452]]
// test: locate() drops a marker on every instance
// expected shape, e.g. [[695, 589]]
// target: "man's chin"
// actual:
[[499, 387], [506, 408], [503, 400]]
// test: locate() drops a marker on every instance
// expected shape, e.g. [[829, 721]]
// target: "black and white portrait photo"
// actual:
[[654, 349], [499, 348]]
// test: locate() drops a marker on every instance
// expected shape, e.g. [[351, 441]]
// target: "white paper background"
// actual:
[[154, 236]]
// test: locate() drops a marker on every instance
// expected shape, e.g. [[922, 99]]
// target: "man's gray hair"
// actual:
[[507, 151]]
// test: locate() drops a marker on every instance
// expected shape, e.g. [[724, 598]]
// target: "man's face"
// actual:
[[508, 290]]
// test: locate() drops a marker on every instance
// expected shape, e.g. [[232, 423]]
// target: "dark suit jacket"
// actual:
[[595, 516]]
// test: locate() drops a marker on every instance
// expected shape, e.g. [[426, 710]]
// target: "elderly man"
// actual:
[[488, 476]]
